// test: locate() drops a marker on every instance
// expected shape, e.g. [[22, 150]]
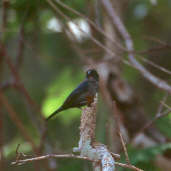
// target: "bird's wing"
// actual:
[[76, 95]]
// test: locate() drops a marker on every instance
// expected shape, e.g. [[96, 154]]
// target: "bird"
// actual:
[[83, 95]]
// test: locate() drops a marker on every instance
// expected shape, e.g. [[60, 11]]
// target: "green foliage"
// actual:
[[147, 154], [72, 165], [79, 5], [143, 158], [57, 93], [169, 116], [130, 74], [164, 125]]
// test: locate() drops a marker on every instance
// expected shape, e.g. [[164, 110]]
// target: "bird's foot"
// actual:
[[76, 149]]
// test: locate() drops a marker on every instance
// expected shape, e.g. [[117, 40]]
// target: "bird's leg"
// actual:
[[90, 100]]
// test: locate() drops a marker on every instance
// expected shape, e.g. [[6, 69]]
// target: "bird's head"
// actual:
[[92, 74]]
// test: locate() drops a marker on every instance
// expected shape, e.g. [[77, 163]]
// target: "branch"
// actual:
[[16, 120], [93, 24], [21, 40], [116, 114], [155, 65], [129, 44], [5, 5], [16, 76], [158, 115], [20, 162], [167, 106], [98, 43], [7, 84], [155, 49], [128, 166], [18, 84], [21, 46], [157, 40], [48, 156]]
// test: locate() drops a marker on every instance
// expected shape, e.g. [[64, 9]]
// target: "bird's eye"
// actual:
[[89, 72]]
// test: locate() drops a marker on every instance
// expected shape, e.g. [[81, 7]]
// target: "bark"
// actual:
[[87, 145]]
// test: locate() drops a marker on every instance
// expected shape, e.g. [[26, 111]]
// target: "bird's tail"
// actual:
[[54, 113]]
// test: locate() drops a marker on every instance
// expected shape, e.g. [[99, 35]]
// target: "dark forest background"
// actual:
[[44, 56]]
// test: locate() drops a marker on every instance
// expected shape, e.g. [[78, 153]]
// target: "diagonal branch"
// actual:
[[129, 44], [21, 46], [98, 43], [93, 24], [5, 6], [158, 115], [155, 65], [41, 126], [16, 120]]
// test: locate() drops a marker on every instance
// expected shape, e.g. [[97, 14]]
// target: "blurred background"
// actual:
[[45, 49]]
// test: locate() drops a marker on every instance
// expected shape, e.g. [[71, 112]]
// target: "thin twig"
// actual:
[[157, 40], [4, 9], [5, 5], [40, 124], [7, 84], [128, 166], [19, 154], [21, 40], [155, 49], [15, 73], [165, 113], [80, 29], [16, 120], [19, 162], [160, 108], [1, 120], [84, 58], [21, 45], [116, 114], [20, 85], [93, 24], [43, 157], [167, 106], [124, 147], [158, 115], [115, 156], [155, 65]]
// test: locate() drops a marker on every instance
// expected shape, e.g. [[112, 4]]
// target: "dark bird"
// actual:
[[83, 95]]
